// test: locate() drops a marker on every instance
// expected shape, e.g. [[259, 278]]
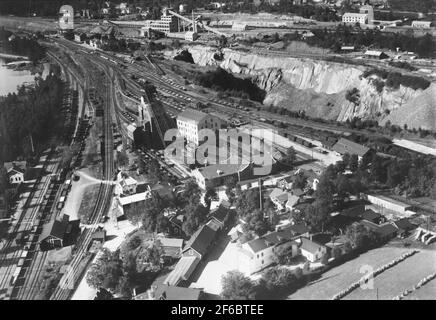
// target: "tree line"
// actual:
[[33, 114], [24, 46]]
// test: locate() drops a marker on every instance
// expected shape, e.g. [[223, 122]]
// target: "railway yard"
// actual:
[[99, 84]]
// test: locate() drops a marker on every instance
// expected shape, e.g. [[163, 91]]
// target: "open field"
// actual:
[[339, 278], [405, 275], [427, 292]]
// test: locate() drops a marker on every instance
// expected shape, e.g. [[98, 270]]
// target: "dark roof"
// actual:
[[55, 229], [404, 224], [297, 192], [168, 292], [353, 212], [191, 115], [220, 213], [201, 240], [309, 245], [277, 237], [370, 215], [386, 230], [346, 146]]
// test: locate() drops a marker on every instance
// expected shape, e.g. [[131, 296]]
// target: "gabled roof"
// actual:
[[404, 224], [201, 240], [191, 115], [370, 215], [15, 164], [309, 245], [346, 146], [277, 237], [292, 200], [279, 194], [55, 229], [220, 213], [166, 292]]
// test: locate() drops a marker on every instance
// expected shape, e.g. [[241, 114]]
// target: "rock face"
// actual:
[[319, 87]]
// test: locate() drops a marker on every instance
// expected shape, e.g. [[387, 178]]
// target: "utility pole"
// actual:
[[260, 194]]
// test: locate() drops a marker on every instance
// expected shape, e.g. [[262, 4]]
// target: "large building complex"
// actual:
[[190, 122], [166, 24]]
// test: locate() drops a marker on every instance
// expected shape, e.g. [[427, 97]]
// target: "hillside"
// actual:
[[320, 87]]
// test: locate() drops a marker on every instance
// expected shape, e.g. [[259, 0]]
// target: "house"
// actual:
[[182, 270], [216, 175], [171, 247], [279, 197], [372, 216], [404, 226], [167, 292], [285, 182], [128, 184], [15, 171], [391, 205], [385, 231], [80, 37], [312, 250], [219, 216], [344, 146], [422, 24], [200, 242], [236, 232], [376, 54], [351, 17], [97, 240], [292, 201], [53, 234], [259, 253]]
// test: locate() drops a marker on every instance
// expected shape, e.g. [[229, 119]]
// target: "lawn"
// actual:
[[405, 275], [340, 277], [427, 292]]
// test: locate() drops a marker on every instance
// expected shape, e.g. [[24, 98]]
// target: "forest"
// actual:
[[28, 47], [31, 112]]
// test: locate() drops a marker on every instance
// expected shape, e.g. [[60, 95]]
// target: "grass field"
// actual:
[[405, 275], [427, 292], [339, 278]]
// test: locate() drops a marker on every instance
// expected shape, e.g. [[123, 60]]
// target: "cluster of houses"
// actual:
[[189, 255]]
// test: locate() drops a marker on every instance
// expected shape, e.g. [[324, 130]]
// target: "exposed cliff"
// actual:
[[319, 87]]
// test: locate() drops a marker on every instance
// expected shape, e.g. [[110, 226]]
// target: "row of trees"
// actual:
[[275, 283], [119, 272], [424, 46]]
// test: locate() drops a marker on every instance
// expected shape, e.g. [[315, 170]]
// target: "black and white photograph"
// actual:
[[241, 150]]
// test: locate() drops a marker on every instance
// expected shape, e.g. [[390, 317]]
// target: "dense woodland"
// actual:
[[31, 112], [23, 46]]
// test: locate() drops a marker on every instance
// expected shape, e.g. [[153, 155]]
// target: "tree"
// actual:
[[283, 254], [278, 281], [106, 272], [336, 252], [236, 286], [103, 294], [325, 259], [290, 157], [353, 163], [255, 222], [122, 159], [300, 181]]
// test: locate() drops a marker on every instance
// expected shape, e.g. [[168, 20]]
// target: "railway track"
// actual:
[[82, 258]]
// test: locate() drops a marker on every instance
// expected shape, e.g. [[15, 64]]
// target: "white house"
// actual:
[[311, 250], [350, 17], [128, 185], [260, 253], [279, 197], [15, 175]]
